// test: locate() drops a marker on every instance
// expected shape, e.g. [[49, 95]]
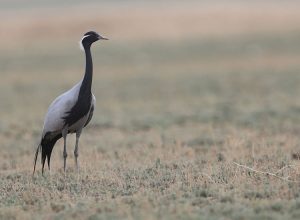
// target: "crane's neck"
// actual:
[[86, 84]]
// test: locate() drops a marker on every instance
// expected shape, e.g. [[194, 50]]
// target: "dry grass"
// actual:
[[180, 105]]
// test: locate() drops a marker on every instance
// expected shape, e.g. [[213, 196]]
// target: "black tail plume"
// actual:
[[35, 158], [46, 147]]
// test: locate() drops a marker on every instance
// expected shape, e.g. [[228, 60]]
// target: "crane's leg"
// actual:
[[64, 134], [78, 133]]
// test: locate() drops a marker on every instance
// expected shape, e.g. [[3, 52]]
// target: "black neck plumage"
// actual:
[[83, 104], [86, 84]]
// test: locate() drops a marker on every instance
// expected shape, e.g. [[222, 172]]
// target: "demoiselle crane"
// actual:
[[71, 111]]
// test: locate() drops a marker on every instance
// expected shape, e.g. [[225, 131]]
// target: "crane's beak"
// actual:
[[102, 38]]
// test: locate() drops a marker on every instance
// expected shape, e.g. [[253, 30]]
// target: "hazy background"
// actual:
[[165, 41], [184, 89]]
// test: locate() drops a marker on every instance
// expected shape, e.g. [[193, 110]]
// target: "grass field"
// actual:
[[197, 112]]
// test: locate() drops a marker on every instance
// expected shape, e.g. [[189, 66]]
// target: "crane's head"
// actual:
[[89, 38]]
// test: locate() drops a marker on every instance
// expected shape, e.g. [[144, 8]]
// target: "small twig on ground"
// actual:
[[266, 173], [285, 167]]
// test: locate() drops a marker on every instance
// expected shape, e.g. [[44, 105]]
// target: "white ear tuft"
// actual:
[[81, 46], [80, 42]]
